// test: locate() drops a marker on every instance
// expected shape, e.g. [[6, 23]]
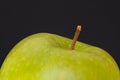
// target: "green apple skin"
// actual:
[[45, 56]]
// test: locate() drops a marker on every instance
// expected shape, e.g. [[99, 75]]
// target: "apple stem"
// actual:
[[78, 29]]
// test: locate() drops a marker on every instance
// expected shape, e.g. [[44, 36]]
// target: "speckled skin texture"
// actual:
[[46, 56]]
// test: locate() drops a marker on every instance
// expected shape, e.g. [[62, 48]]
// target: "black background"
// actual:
[[99, 20]]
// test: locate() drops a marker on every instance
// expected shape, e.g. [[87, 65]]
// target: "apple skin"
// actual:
[[45, 56]]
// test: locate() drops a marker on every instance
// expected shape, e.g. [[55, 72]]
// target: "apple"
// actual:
[[46, 56]]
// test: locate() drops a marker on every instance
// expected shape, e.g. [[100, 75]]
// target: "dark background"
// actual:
[[99, 20]]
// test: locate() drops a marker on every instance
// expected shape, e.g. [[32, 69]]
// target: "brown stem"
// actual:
[[78, 29]]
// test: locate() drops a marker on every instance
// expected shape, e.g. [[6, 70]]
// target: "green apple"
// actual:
[[46, 56]]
